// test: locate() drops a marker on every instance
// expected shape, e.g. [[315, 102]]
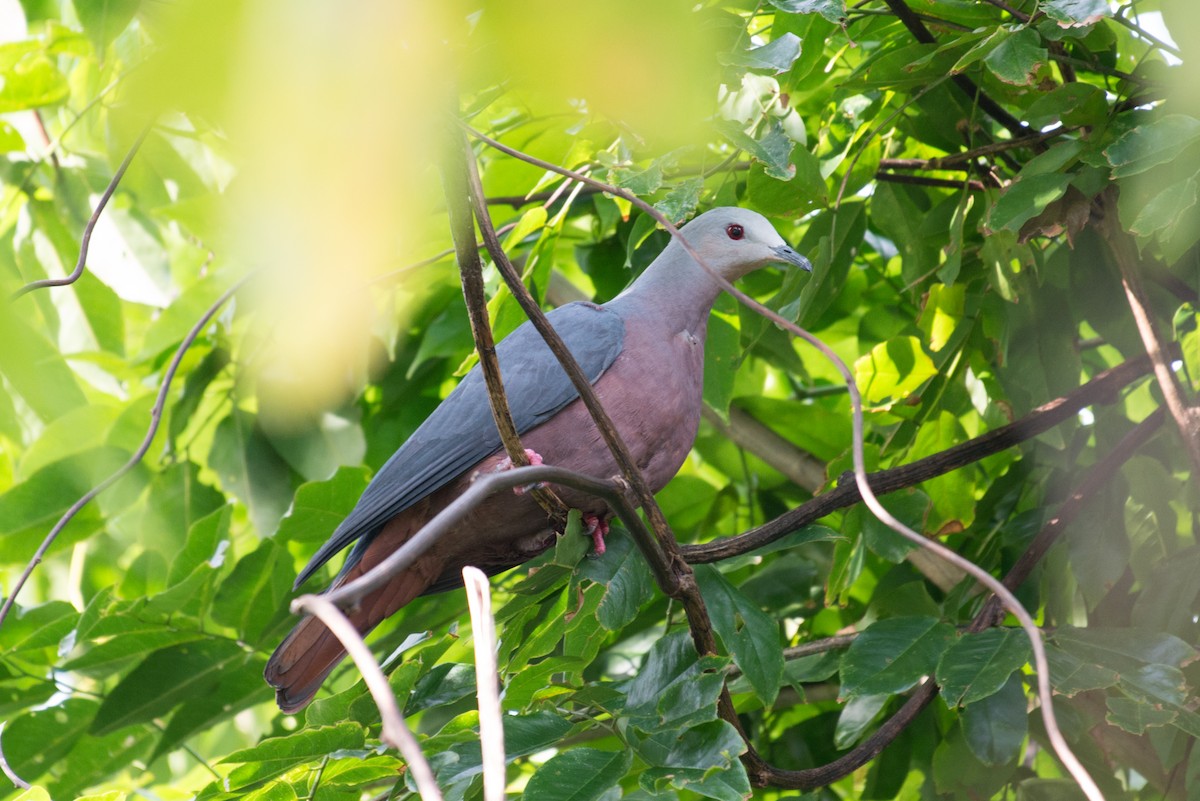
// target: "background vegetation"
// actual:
[[1000, 203]]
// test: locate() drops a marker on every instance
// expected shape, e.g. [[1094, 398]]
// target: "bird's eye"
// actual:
[[735, 231]]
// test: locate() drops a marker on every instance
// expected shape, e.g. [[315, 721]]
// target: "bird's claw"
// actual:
[[597, 529], [535, 459]]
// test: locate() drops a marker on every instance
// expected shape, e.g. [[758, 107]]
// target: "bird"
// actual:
[[642, 352]]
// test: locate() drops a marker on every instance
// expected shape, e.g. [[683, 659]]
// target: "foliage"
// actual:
[[950, 190]]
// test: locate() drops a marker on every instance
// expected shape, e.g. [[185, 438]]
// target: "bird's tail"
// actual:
[[310, 652]]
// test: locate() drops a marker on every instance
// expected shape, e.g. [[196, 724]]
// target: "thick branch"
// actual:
[[1100, 389]]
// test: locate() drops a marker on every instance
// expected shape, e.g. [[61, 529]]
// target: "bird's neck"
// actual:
[[674, 288]]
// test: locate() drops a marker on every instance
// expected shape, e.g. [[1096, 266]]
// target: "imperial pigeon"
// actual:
[[643, 352]]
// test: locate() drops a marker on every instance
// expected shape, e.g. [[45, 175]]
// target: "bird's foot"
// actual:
[[535, 459], [597, 529]]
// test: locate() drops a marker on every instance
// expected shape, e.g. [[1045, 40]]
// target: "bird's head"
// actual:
[[736, 241]]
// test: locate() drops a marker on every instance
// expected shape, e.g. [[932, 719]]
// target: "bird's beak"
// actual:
[[789, 256]]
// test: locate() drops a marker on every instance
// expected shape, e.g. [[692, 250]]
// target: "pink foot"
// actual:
[[534, 458], [597, 529]]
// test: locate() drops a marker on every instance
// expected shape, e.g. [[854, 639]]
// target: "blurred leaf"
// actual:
[[1155, 142], [1025, 198], [832, 10], [1073, 13], [857, 716], [254, 597], [1135, 716], [30, 78], [105, 19], [251, 468], [163, 680]]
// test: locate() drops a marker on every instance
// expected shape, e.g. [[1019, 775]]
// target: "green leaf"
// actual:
[[165, 679], [1152, 143], [1076, 13], [532, 220], [28, 78], [34, 742], [746, 631], [856, 717], [1025, 198], [254, 597], [1135, 715], [275, 755], [722, 357], [625, 577], [681, 202], [979, 664], [773, 149], [251, 468], [319, 506], [892, 655], [910, 507], [674, 687], [893, 370], [832, 10], [37, 627], [105, 19], [776, 56], [195, 383], [443, 684], [996, 726], [1018, 57], [580, 774], [238, 689]]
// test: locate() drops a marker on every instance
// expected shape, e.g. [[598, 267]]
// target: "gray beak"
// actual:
[[789, 256]]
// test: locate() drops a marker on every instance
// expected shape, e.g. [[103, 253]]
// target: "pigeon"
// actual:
[[642, 352]]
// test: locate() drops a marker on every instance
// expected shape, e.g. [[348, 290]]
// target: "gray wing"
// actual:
[[460, 431]]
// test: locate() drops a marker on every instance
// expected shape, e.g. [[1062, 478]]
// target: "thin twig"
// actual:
[[487, 682], [924, 180], [155, 419], [755, 763], [91, 224], [1018, 15], [395, 731], [1185, 414]]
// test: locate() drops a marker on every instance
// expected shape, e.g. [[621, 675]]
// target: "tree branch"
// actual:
[[91, 224], [870, 748], [462, 229], [1185, 414], [1100, 389], [968, 87], [673, 572], [924, 180], [155, 420]]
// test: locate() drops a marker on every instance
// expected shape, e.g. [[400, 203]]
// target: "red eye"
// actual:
[[735, 231]]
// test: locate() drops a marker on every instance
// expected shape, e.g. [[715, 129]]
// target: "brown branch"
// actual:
[[1100, 389], [462, 230], [1185, 414], [923, 180], [91, 224], [674, 574], [610, 491], [993, 109], [1018, 15], [870, 748], [155, 419]]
